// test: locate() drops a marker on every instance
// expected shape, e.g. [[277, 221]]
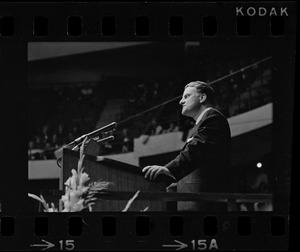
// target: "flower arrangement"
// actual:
[[79, 194]]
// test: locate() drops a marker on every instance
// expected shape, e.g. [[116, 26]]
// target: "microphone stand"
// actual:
[[111, 126], [77, 142], [102, 140]]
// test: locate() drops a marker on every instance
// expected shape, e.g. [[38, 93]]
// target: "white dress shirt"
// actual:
[[202, 114]]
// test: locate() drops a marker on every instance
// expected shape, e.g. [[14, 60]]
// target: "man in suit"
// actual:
[[203, 164]]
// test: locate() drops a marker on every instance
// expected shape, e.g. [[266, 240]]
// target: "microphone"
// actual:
[[111, 126], [106, 139], [108, 127], [77, 142]]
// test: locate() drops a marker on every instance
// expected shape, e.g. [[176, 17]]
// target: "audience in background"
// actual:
[[173, 127], [127, 141], [236, 94], [107, 149], [61, 114], [154, 128]]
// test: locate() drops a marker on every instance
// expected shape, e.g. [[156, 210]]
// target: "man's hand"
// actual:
[[152, 171]]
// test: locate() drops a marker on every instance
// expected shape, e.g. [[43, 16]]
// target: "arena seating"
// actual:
[[59, 113]]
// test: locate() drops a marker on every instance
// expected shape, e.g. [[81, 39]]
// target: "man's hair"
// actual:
[[204, 88]]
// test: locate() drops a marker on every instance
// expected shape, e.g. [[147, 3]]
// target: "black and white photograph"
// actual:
[[151, 126], [147, 126]]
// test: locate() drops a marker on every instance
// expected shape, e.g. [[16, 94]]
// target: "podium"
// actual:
[[125, 178]]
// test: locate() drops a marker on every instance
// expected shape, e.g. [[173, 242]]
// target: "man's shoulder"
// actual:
[[215, 113], [216, 117]]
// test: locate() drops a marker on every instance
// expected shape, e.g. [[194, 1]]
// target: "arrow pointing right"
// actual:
[[46, 244], [178, 246]]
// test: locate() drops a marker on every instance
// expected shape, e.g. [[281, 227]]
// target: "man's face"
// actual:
[[190, 102]]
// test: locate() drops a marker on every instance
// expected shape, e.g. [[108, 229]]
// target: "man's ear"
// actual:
[[203, 98]]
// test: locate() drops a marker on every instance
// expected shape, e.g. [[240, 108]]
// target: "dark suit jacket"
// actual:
[[203, 164]]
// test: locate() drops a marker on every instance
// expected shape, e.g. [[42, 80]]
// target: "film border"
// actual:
[[14, 49]]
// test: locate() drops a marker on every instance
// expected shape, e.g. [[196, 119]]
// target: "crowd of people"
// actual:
[[67, 113], [53, 134], [43, 144], [243, 89], [58, 115]]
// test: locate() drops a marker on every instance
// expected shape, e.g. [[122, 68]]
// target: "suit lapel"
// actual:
[[194, 131], [205, 116], [196, 127]]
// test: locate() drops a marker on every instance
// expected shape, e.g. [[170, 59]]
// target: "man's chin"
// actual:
[[184, 113]]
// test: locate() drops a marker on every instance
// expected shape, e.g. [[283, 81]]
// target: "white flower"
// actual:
[[77, 195], [84, 177], [74, 179], [78, 206]]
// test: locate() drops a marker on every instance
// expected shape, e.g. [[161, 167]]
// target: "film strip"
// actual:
[[60, 61]]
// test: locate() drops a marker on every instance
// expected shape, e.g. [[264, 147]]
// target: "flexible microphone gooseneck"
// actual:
[[78, 141], [108, 127]]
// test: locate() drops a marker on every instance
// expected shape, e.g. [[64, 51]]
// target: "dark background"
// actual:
[[14, 90], [13, 80]]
